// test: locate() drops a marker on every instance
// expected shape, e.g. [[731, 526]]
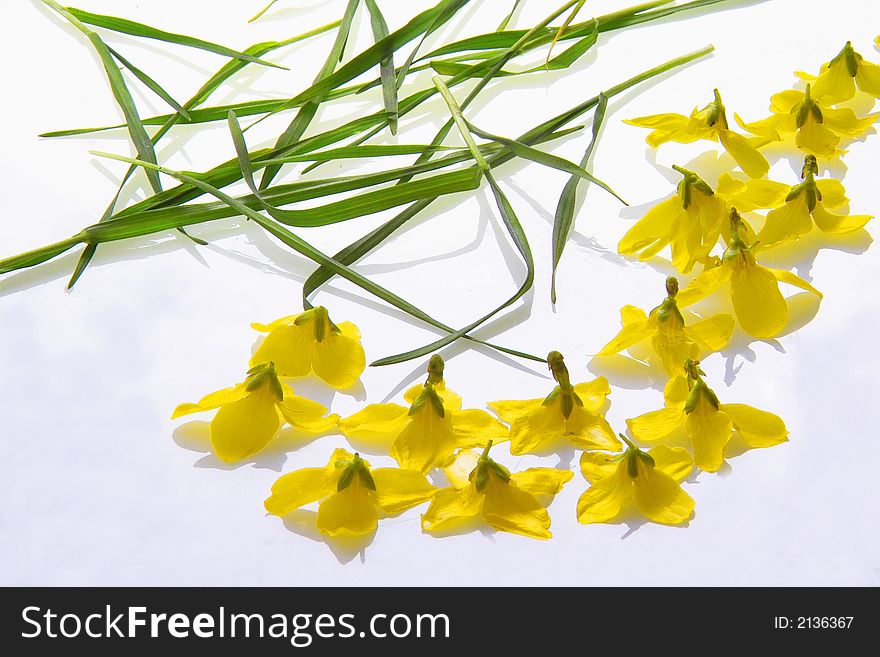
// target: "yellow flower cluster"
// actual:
[[431, 436]]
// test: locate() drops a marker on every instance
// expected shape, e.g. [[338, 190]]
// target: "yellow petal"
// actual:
[[703, 285], [758, 428], [244, 427], [656, 424], [509, 410], [459, 470], [761, 194], [711, 334], [844, 121], [834, 84], [652, 229], [772, 128], [211, 401], [377, 423], [290, 347], [593, 393], [398, 490], [832, 192], [709, 430], [673, 461], [450, 398], [427, 441], [598, 465], [660, 497], [676, 391], [301, 487], [339, 358], [630, 314], [669, 121], [686, 238], [784, 276], [541, 481], [509, 509], [544, 425], [474, 428], [350, 512], [786, 223], [868, 78], [452, 508], [606, 498], [586, 430], [281, 321], [674, 347], [306, 415], [817, 138], [835, 223], [784, 101], [759, 305], [631, 334], [744, 154]]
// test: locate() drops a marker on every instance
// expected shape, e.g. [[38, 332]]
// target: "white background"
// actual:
[[98, 486]]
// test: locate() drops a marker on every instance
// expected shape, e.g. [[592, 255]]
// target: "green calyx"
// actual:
[[690, 184], [428, 397], [568, 398], [633, 455], [715, 114], [811, 192], [737, 247], [807, 107], [668, 310], [850, 59], [436, 366], [486, 467], [262, 375], [356, 467], [321, 322], [698, 387]]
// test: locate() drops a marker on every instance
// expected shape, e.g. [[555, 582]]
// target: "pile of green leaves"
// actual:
[[438, 170]]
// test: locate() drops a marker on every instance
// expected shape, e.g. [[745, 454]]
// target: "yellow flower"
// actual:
[[507, 502], [299, 344], [838, 78], [794, 207], [647, 482], [351, 494], [671, 339], [709, 424], [427, 433], [250, 413], [708, 123], [572, 414], [690, 222], [758, 304], [817, 128]]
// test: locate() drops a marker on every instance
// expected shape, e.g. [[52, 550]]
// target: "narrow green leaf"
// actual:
[[565, 24], [307, 112], [386, 67], [533, 154], [360, 151], [460, 121], [565, 208], [262, 11], [506, 21], [150, 83], [139, 136], [125, 26]]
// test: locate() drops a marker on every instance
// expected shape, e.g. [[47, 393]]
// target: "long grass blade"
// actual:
[[564, 26], [506, 20], [554, 162], [150, 83], [136, 130], [387, 72], [306, 113], [125, 26], [262, 11], [563, 219]]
